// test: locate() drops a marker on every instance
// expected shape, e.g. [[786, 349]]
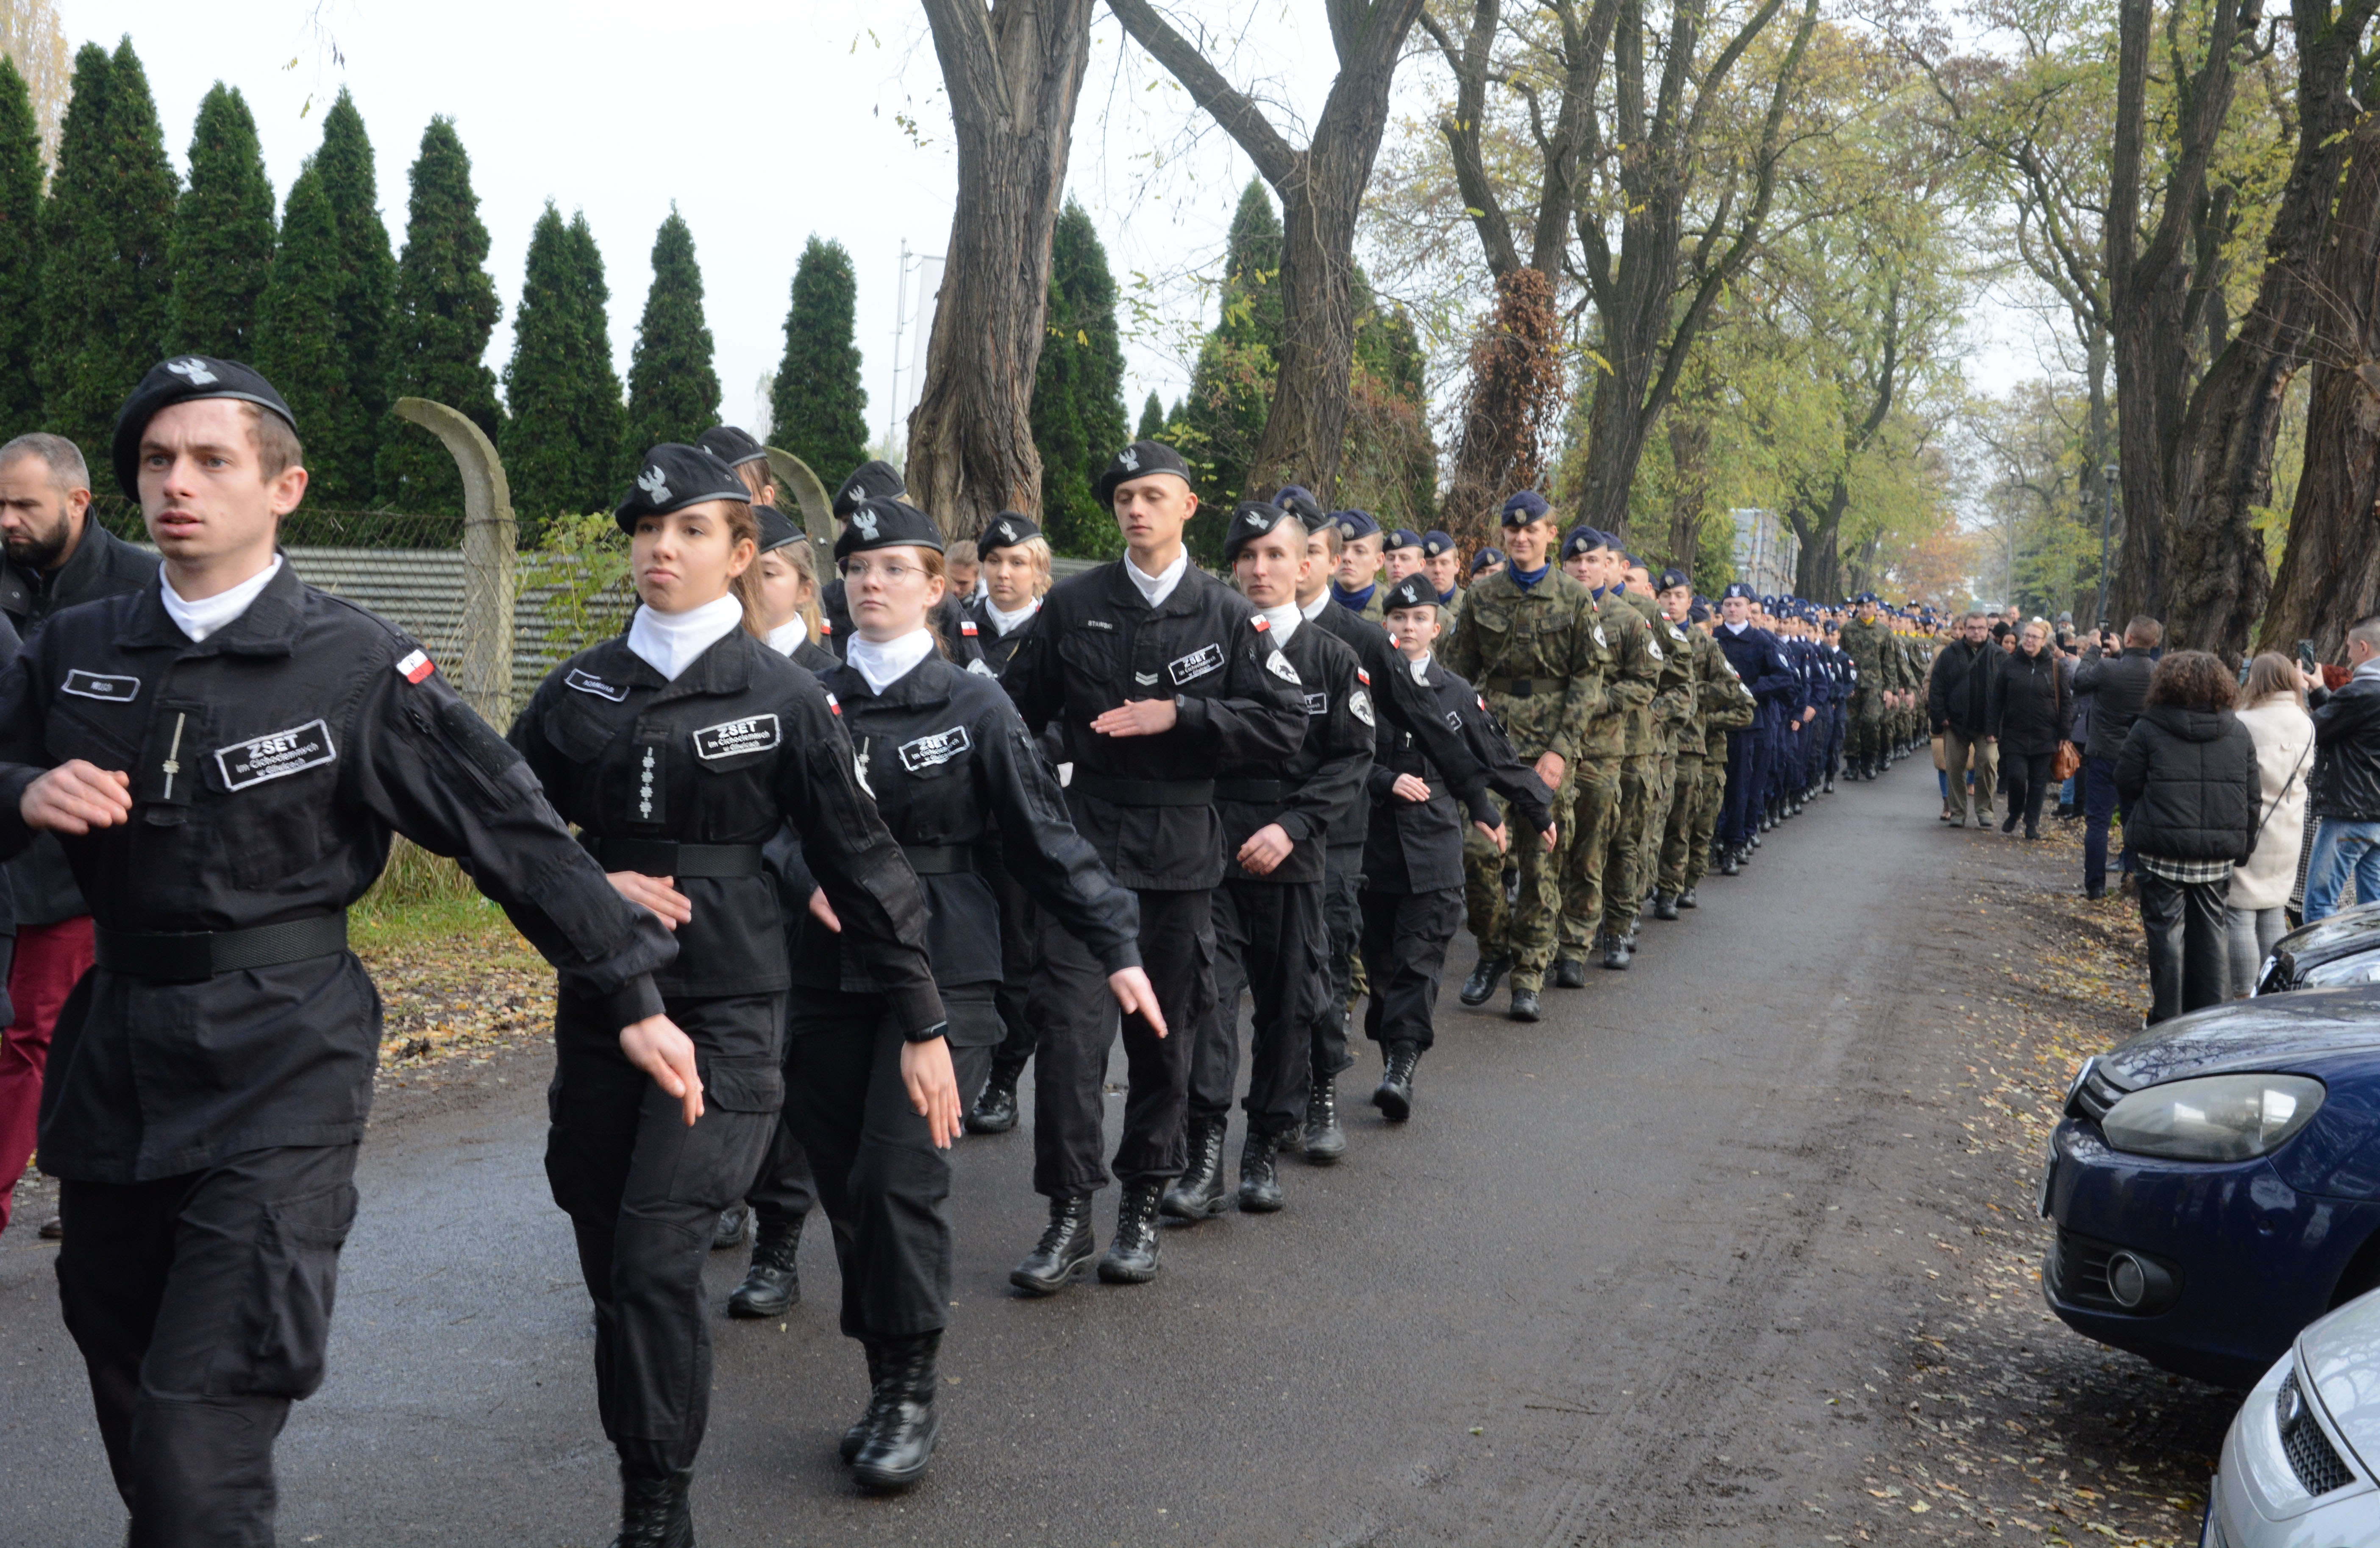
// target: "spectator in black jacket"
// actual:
[[2346, 790], [2192, 796], [1958, 702], [2030, 714], [2116, 687]]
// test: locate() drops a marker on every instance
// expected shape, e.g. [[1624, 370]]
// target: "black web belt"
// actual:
[[1257, 792], [1523, 688], [191, 956], [660, 857], [939, 860], [1145, 792]]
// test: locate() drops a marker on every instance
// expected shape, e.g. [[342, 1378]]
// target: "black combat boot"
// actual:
[[1394, 1099], [1481, 986], [1198, 1193], [1729, 863], [1665, 906], [1686, 900], [1259, 1178], [1617, 954], [1525, 1005], [1325, 1140], [733, 1228], [1829, 788], [902, 1422], [772, 1283], [1570, 972], [1065, 1250], [995, 1111], [654, 1512], [856, 1436], [1132, 1258]]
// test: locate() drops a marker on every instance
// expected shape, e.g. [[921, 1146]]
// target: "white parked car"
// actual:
[[2298, 1465]]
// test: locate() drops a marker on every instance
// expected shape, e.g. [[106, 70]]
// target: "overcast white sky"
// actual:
[[764, 123]]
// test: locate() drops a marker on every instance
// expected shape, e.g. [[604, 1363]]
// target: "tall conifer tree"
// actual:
[[1152, 420], [1077, 411], [20, 255], [672, 388], [342, 455], [606, 409], [1230, 387], [223, 233], [819, 409], [297, 324], [562, 434], [445, 310]]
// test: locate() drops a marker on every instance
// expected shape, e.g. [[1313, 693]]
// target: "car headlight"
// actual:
[[2214, 1117], [2363, 969]]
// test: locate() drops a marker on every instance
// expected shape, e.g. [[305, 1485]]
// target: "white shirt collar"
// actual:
[[668, 642], [1418, 666], [197, 619], [1735, 628], [1003, 622], [1313, 610], [886, 664], [1155, 589], [1284, 620], [789, 636]]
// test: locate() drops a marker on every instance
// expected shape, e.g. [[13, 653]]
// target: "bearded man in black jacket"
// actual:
[[1959, 702]]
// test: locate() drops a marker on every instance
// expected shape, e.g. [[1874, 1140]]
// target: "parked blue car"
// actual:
[[2216, 1182]]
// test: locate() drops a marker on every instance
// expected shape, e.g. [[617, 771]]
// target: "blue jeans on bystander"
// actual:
[[2099, 804], [2340, 847]]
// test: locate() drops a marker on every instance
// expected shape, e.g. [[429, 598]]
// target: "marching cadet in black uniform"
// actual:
[[1413, 860], [223, 754], [953, 775], [680, 748], [881, 481], [1158, 673], [1269, 928], [789, 590]]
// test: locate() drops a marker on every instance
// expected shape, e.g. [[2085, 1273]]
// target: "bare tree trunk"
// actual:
[[1321, 190], [2331, 572], [1690, 439], [1509, 406], [1014, 70], [1817, 570]]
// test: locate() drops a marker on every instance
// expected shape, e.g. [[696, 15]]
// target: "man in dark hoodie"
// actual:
[[2115, 687], [1959, 704]]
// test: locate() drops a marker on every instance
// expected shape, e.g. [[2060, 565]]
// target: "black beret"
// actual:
[[1251, 520], [777, 529], [869, 480], [1525, 508], [731, 445], [1435, 543], [1299, 502], [1139, 461], [1487, 557], [1413, 591], [672, 477], [1007, 531], [182, 379], [1671, 579], [887, 524]]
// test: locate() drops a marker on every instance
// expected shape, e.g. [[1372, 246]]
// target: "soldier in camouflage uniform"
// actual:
[[1598, 862], [1635, 847], [1723, 705], [1526, 640], [1868, 642], [1677, 714]]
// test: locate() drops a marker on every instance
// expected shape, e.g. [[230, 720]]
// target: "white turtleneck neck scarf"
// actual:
[[1004, 621], [197, 619], [1419, 666], [883, 665], [789, 636], [1284, 620], [668, 642]]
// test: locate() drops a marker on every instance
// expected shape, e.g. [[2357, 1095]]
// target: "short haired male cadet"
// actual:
[[57, 555], [1441, 565], [1157, 672], [1401, 554], [1527, 640], [224, 754], [1357, 585], [1761, 667]]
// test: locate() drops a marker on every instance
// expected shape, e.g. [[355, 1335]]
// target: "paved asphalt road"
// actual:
[[1520, 1319]]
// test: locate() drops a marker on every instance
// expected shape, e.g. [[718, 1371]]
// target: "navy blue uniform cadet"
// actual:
[[1754, 654], [680, 748], [956, 779], [1413, 858], [1269, 934], [1158, 674], [223, 754]]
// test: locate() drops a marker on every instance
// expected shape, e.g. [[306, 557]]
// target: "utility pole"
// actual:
[[2106, 520], [893, 398]]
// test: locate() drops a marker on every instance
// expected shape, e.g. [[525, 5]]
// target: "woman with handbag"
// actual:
[[2032, 714], [2274, 712]]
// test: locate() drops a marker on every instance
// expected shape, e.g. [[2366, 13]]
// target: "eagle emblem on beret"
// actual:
[[654, 484], [193, 370], [1008, 531], [865, 520], [1129, 459]]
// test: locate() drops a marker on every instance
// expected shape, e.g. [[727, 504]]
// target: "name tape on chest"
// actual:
[[930, 752], [1198, 663], [416, 666], [1318, 704], [732, 738], [1278, 664], [106, 688], [587, 682], [1100, 624], [276, 755]]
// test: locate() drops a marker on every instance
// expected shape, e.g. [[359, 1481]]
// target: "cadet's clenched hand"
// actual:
[[1413, 788], [77, 797], [1136, 717], [1265, 848], [654, 892], [656, 1046], [1549, 767]]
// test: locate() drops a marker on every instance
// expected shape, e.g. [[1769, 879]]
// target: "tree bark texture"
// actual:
[[1014, 70], [1510, 406]]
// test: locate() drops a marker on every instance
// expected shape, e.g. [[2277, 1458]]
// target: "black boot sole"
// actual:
[[1394, 1105], [748, 1310], [1326, 1153], [1113, 1272], [1484, 994], [1183, 1207], [884, 1480], [977, 1124], [1260, 1203], [1072, 1270]]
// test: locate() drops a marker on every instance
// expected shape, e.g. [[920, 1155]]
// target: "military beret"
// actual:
[[1699, 612], [869, 480], [1008, 529], [777, 529], [672, 477], [1632, 561], [1354, 524], [731, 445], [1738, 588], [182, 379], [1580, 540], [1671, 579], [1435, 543], [1299, 502], [1834, 626], [887, 524], [1487, 558], [1401, 537], [1413, 591], [1525, 508], [1139, 460], [1251, 520]]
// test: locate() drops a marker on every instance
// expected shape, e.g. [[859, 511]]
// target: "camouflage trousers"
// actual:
[[1586, 851], [1865, 735], [1522, 933], [1624, 893], [1710, 799], [1661, 793], [1678, 827]]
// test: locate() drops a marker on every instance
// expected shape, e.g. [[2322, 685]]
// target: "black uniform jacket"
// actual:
[[995, 646], [1312, 790], [740, 744], [955, 776], [1095, 644], [949, 619], [811, 658], [1417, 845], [269, 764], [1406, 706]]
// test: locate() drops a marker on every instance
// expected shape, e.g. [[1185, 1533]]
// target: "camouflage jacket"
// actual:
[[1673, 687], [1534, 657], [1870, 645]]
